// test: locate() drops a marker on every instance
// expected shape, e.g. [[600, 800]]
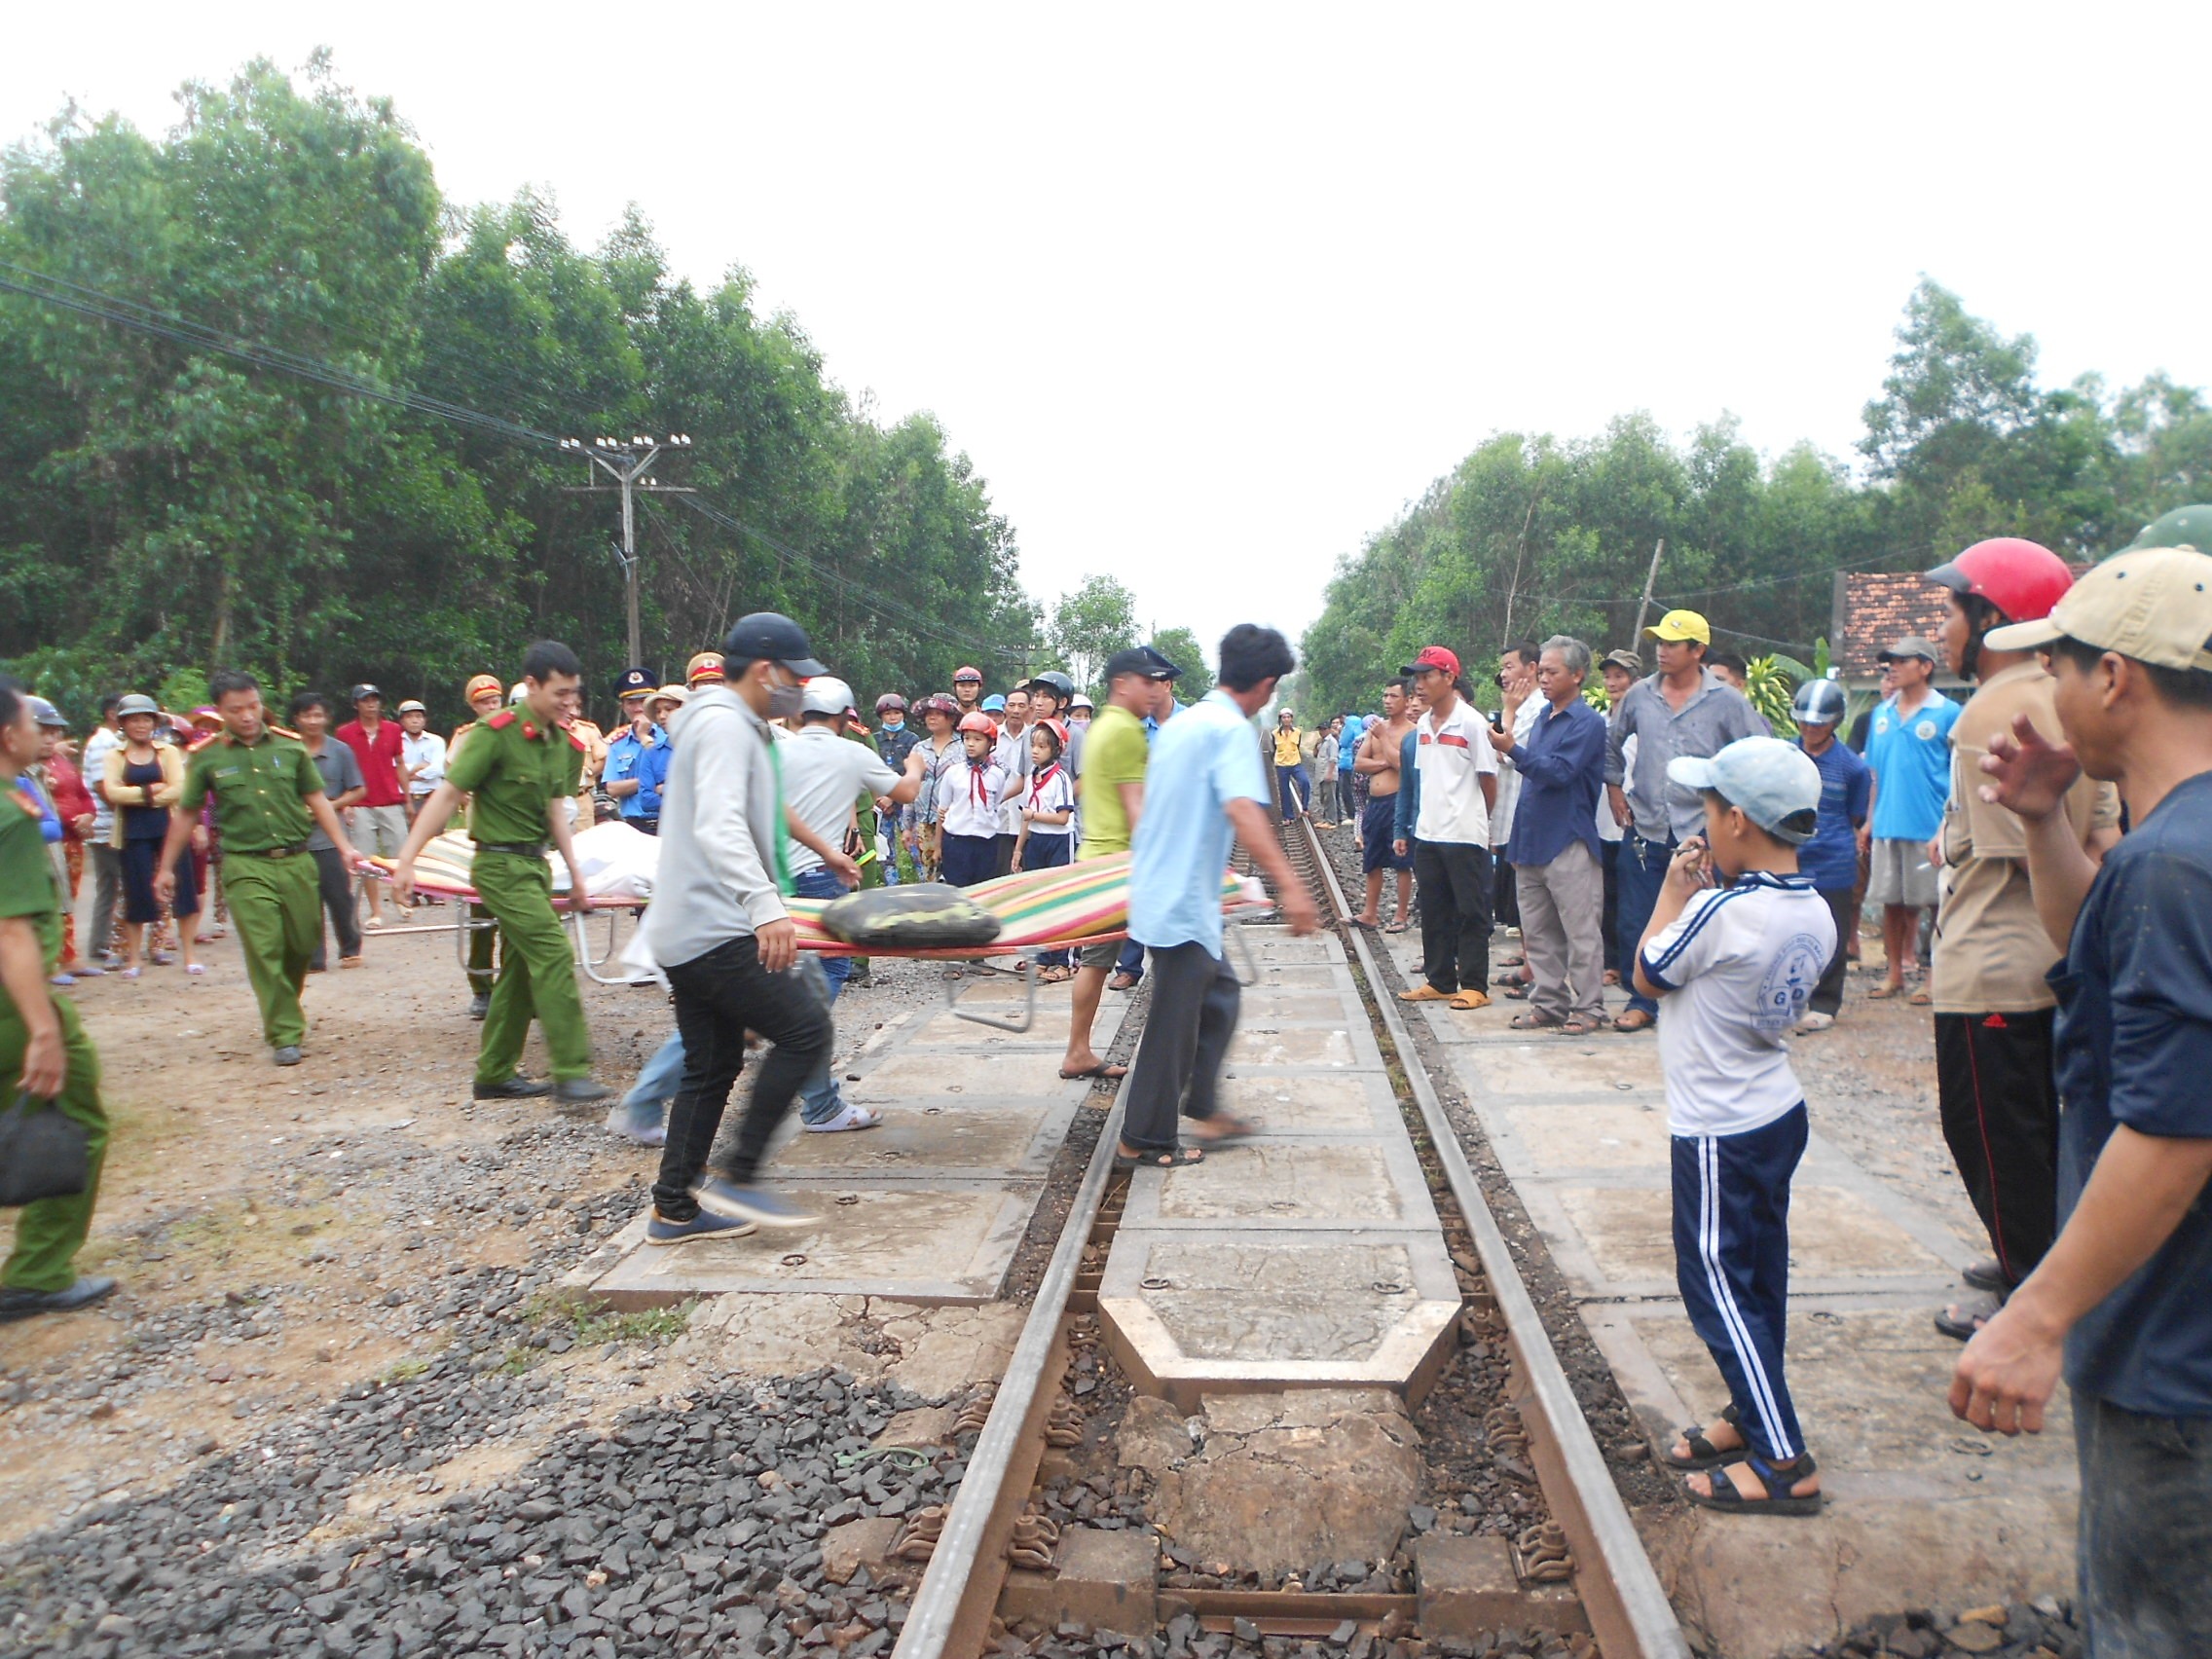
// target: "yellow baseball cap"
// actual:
[[1682, 625], [2154, 603]]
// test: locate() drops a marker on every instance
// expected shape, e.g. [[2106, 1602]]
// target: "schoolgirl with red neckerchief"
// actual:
[[1047, 798], [969, 798]]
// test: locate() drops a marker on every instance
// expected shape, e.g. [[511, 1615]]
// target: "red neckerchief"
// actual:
[[978, 790], [1038, 781]]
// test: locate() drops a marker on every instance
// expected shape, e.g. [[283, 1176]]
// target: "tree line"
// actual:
[[1531, 535], [174, 505]]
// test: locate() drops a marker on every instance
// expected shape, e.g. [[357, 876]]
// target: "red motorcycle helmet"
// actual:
[[979, 721], [2022, 580], [889, 700]]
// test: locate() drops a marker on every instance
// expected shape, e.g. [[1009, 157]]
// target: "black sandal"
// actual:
[[1704, 1454], [1181, 1158], [1774, 1480]]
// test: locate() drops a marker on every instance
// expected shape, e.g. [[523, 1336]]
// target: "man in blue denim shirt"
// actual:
[[1553, 850], [2121, 1296]]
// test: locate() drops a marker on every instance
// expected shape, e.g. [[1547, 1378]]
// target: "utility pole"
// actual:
[[625, 459], [1651, 581]]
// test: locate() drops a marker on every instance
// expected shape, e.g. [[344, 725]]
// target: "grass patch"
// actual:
[[587, 1326], [402, 1371]]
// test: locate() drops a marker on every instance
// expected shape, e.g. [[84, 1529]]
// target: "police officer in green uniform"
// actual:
[[521, 768], [43, 1051], [267, 800]]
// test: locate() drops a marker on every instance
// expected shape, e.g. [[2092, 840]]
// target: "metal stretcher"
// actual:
[[1064, 908]]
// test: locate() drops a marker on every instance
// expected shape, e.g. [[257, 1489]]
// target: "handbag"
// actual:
[[43, 1154]]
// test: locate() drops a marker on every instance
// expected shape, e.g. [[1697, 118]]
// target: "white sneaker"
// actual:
[[1812, 1022]]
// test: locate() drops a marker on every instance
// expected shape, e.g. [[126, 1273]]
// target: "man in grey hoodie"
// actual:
[[720, 931]]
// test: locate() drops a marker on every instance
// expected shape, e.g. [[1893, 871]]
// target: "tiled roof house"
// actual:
[[1874, 610]]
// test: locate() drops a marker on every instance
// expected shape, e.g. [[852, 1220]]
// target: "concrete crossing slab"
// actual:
[[1310, 1256]]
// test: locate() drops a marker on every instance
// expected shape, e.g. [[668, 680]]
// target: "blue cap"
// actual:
[[636, 683], [1775, 783], [768, 635], [993, 704]]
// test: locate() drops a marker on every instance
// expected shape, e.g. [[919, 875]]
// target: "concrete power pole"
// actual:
[[625, 460], [1651, 581]]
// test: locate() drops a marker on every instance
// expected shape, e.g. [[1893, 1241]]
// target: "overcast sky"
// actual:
[[1211, 293]]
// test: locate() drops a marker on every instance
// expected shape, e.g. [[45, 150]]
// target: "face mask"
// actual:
[[786, 701], [892, 722]]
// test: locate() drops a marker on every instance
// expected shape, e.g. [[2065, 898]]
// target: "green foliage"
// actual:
[[1180, 647], [1531, 535], [178, 511], [1771, 681], [1091, 624]]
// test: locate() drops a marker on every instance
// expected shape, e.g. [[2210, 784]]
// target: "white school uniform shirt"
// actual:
[[1453, 755], [1048, 793], [973, 796], [1739, 964]]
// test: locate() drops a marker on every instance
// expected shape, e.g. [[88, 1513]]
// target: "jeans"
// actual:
[[1195, 1002], [336, 886], [2144, 1540], [819, 1097], [1455, 882], [657, 1084], [719, 997], [1130, 961], [1644, 871], [1296, 790]]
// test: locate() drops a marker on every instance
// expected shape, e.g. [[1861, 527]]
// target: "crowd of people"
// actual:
[[2039, 853]]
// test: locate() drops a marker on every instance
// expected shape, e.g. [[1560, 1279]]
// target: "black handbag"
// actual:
[[43, 1154]]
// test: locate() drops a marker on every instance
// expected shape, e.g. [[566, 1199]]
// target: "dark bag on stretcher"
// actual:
[[910, 918], [43, 1155]]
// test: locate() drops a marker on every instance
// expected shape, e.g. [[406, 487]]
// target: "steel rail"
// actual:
[[941, 1606], [1620, 1590]]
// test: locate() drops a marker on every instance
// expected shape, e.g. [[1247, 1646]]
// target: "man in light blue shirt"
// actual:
[[1909, 748], [1204, 792]]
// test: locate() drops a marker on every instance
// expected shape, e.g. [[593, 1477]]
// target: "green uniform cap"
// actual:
[[2189, 527]]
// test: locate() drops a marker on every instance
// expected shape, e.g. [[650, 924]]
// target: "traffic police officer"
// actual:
[[43, 1051], [624, 775], [521, 767], [267, 800]]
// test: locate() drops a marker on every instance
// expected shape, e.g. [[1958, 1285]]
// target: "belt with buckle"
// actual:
[[520, 849], [292, 851]]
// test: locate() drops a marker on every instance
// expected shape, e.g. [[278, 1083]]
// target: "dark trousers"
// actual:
[[1644, 871], [1505, 892], [1732, 1266], [1195, 999], [719, 997], [964, 860], [1455, 882], [1610, 927], [107, 900], [1999, 1108], [1002, 852], [1827, 995], [2144, 1537], [1049, 852], [336, 888], [1295, 789]]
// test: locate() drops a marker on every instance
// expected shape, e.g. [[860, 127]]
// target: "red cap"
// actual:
[[1437, 657], [966, 672]]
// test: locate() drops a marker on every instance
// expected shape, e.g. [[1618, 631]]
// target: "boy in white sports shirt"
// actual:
[[1733, 966]]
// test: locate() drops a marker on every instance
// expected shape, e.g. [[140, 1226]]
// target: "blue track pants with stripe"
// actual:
[[1732, 1265]]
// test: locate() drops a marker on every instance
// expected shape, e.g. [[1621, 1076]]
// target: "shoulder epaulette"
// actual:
[[201, 742], [583, 748], [500, 721], [285, 731]]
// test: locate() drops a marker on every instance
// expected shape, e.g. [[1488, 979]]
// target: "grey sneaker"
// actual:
[[479, 1006], [515, 1087], [580, 1092], [659, 1230], [640, 1125], [746, 1200], [288, 1055]]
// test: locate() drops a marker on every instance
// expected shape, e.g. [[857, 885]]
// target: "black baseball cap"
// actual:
[[771, 636], [636, 683], [1161, 667], [1134, 660], [364, 690]]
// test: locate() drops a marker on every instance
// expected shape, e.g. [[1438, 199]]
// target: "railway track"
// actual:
[[1585, 1544]]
